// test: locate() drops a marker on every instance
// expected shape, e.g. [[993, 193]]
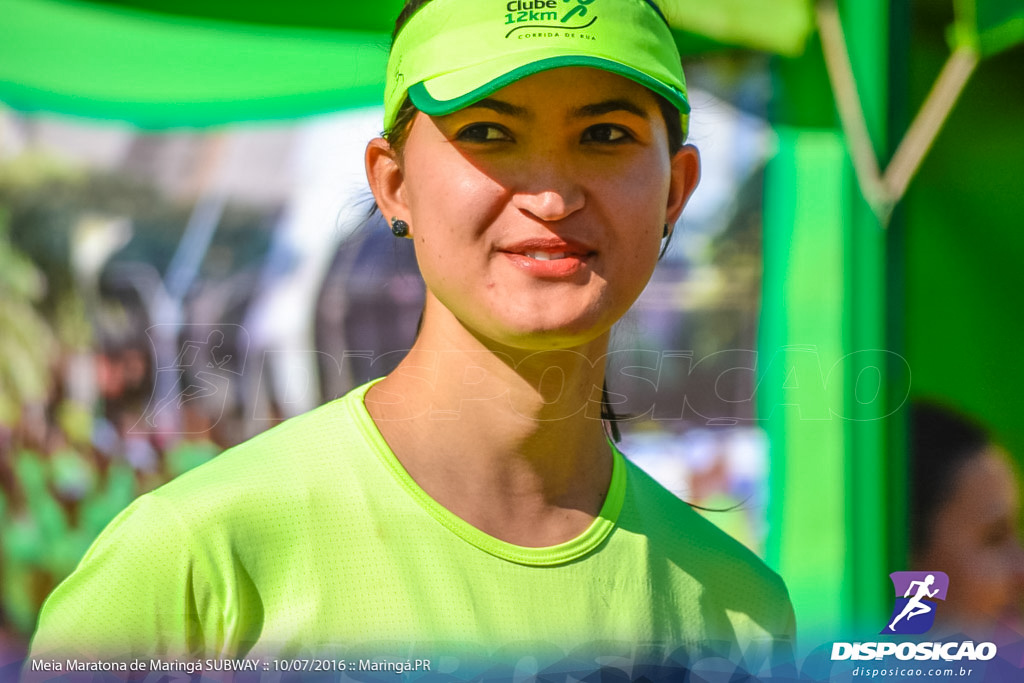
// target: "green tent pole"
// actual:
[[899, 377], [866, 23]]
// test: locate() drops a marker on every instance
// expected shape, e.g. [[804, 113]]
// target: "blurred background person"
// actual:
[[965, 506]]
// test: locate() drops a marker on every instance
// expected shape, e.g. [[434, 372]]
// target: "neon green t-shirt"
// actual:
[[311, 538]]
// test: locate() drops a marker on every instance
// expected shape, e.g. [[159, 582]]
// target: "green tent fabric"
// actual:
[[164, 71], [375, 16], [779, 26], [183, 63], [990, 26]]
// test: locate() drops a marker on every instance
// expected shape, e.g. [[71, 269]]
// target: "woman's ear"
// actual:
[[386, 179], [685, 176]]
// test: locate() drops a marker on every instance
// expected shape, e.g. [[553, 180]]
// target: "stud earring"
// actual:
[[399, 228]]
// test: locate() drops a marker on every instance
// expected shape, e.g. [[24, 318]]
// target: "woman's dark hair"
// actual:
[[396, 136], [942, 442]]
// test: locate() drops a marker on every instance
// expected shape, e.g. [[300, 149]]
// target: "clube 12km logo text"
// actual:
[[546, 10]]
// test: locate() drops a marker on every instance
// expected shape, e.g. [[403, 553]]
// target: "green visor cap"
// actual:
[[452, 53]]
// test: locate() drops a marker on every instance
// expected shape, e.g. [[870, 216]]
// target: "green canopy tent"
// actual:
[[163, 64]]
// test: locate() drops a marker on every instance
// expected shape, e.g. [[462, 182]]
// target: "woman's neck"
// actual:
[[510, 441]]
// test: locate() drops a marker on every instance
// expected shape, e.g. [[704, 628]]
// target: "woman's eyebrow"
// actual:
[[500, 106], [608, 106]]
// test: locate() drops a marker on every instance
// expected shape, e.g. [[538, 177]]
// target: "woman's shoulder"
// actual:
[[302, 453], [306, 471], [729, 572], [200, 549]]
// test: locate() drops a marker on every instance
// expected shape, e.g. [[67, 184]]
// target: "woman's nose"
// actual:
[[549, 193]]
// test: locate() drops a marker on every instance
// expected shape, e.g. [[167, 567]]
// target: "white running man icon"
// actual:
[[915, 606]]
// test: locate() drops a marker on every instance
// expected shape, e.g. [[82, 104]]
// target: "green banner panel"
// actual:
[[801, 382]]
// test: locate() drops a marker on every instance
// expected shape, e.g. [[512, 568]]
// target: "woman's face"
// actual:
[[974, 540], [538, 212]]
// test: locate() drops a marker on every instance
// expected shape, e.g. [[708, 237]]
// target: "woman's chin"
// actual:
[[555, 327], [535, 338]]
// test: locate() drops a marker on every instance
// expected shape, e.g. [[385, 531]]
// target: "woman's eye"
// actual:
[[605, 132], [483, 132]]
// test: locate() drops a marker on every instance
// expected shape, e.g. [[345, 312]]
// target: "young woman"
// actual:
[[470, 503], [965, 506]]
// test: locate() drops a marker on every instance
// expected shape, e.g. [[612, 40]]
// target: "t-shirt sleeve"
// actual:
[[134, 594]]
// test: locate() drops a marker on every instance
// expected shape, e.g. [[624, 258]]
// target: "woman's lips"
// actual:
[[548, 268], [548, 257]]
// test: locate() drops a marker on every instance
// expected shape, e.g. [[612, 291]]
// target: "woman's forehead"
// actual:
[[571, 87]]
